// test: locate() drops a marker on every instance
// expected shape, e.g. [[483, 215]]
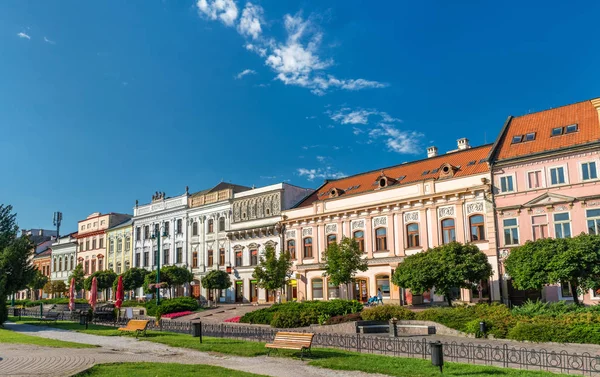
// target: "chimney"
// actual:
[[463, 143], [432, 152]]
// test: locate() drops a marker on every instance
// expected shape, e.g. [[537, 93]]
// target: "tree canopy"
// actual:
[[79, 276], [343, 260], [272, 271], [550, 261], [445, 267], [104, 279], [132, 279], [216, 279], [38, 282]]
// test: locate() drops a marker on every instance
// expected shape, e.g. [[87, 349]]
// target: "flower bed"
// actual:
[[233, 320], [177, 315]]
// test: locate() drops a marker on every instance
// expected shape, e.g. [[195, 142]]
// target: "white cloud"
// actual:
[[49, 41], [23, 35], [224, 10], [295, 61], [396, 140], [244, 73], [357, 131], [311, 117], [320, 158], [268, 177], [348, 116], [327, 172], [250, 22]]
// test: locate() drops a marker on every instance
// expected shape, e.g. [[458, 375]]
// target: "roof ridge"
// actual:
[[408, 163], [557, 107]]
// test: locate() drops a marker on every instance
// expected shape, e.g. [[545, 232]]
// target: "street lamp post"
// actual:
[[156, 236]]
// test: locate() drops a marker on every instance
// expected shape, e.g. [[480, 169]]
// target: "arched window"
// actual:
[[413, 239], [211, 226], [317, 289], [119, 245], [332, 238], [448, 231], [291, 248], [308, 251], [55, 264], [194, 228], [111, 247], [253, 257], [71, 261], [195, 259], [477, 228], [359, 236], [221, 224], [179, 226], [381, 241], [118, 271]]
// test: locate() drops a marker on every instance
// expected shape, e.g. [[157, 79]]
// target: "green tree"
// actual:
[[38, 282], [132, 279], [445, 267], [550, 261], [342, 261], [104, 279], [271, 272], [16, 271], [79, 276], [176, 276], [59, 288], [216, 280]]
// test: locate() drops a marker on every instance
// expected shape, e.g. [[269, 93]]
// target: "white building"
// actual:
[[64, 258], [254, 226], [209, 216], [167, 217]]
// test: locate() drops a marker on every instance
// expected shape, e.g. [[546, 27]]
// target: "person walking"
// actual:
[[379, 296]]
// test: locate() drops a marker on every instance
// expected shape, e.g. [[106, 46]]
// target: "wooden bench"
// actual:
[[137, 325], [292, 341], [50, 317]]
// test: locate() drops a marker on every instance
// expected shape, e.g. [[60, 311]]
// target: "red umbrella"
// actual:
[[120, 293], [94, 294], [72, 295]]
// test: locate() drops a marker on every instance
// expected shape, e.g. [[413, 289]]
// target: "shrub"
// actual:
[[386, 312], [175, 305], [344, 318]]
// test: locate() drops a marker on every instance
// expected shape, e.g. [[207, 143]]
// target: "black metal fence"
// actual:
[[483, 354]]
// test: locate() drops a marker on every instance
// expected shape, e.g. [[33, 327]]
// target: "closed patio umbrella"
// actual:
[[93, 294], [72, 295], [120, 293]]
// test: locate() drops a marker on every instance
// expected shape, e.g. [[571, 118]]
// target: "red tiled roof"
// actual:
[[584, 114], [471, 161]]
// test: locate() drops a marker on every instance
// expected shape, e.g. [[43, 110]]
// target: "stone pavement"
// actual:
[[221, 313], [29, 360]]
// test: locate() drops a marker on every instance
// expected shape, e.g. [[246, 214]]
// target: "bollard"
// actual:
[[483, 329], [437, 355], [197, 330], [393, 329]]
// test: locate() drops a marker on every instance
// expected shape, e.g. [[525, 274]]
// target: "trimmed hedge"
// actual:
[[300, 314], [50, 301], [174, 305]]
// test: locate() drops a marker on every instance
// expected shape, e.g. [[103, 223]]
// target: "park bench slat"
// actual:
[[137, 325], [292, 341]]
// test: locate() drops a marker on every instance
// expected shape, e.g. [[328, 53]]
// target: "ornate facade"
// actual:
[[64, 257], [120, 251], [393, 213]]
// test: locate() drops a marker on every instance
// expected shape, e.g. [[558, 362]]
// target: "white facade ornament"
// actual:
[[445, 211], [562, 208], [539, 210], [357, 224], [306, 232], [593, 204], [330, 228], [411, 216], [380, 221], [474, 207], [290, 234]]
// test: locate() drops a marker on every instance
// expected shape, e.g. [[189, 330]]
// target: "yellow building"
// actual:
[[118, 249]]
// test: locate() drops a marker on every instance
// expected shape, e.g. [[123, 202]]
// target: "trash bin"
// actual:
[[437, 354], [482, 329], [197, 330]]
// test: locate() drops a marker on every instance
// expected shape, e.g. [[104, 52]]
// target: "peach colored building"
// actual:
[[545, 174], [395, 212], [91, 239]]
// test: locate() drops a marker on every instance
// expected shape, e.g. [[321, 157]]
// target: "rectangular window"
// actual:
[[557, 131], [179, 255], [381, 239], [317, 288], [87, 267], [165, 257], [530, 136], [221, 257], [94, 244], [167, 230], [146, 259], [127, 244], [557, 175], [119, 245], [179, 226], [511, 232], [93, 266], [138, 233], [412, 238], [81, 247], [359, 236], [571, 128], [147, 232], [534, 179], [253, 257], [137, 259], [540, 227], [588, 171], [593, 221], [562, 225], [210, 258], [477, 228], [195, 229], [111, 246], [87, 245], [517, 139], [195, 259], [506, 184], [565, 289], [101, 242], [308, 252], [238, 258], [448, 231]]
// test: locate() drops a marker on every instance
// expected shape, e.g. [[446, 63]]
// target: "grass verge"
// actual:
[[8, 336], [160, 369]]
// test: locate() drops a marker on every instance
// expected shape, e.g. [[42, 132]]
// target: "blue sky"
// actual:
[[103, 103]]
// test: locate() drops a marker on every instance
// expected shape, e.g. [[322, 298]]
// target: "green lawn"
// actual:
[[8, 336], [160, 369], [325, 358]]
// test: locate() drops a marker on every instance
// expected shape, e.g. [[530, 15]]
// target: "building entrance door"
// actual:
[[253, 291], [239, 291], [361, 290], [196, 291]]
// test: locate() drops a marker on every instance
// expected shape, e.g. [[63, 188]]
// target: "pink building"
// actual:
[[545, 174]]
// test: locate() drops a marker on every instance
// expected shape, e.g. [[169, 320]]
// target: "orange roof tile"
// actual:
[[470, 161], [584, 114]]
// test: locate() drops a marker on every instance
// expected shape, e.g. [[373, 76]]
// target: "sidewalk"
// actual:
[[27, 360]]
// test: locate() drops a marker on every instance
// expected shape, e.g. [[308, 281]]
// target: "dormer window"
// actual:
[[335, 192], [384, 181], [447, 171]]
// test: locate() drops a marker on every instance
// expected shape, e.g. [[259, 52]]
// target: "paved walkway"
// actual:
[[28, 360]]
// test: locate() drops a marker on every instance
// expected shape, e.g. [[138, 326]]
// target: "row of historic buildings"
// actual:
[[538, 179]]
